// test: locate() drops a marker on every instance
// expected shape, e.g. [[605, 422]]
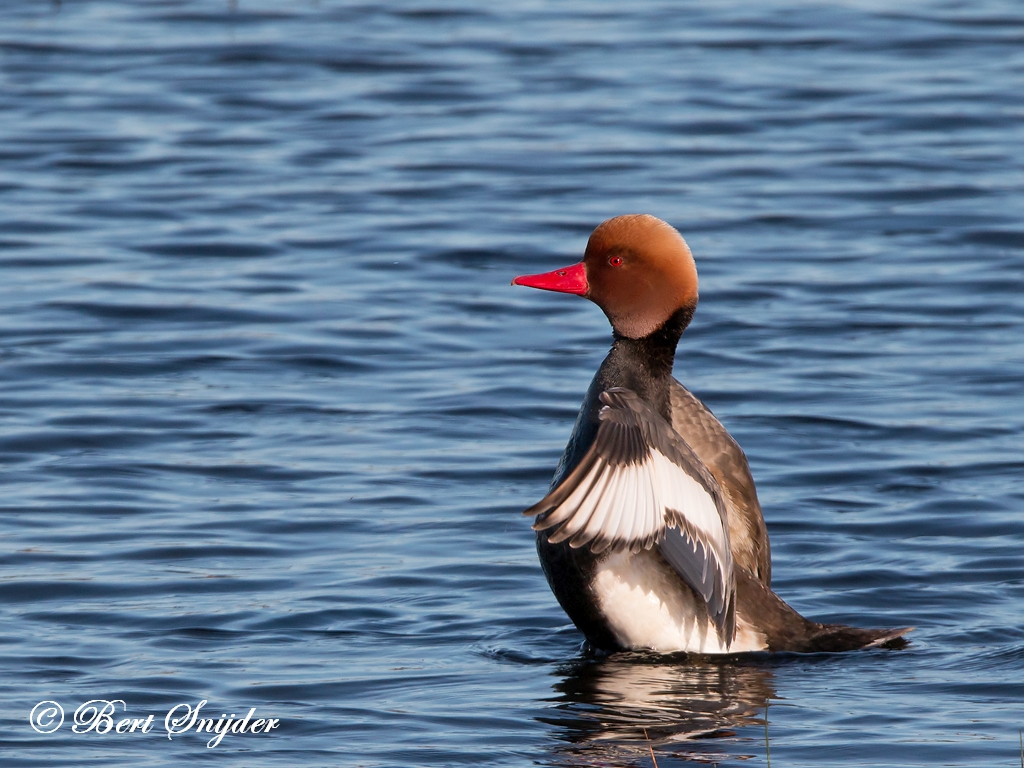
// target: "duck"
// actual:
[[651, 534]]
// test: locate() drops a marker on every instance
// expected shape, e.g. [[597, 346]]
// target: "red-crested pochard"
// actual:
[[651, 535]]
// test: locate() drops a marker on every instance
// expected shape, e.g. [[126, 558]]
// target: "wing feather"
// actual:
[[576, 519], [640, 485]]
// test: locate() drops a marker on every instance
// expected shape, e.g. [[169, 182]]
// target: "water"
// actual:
[[270, 409]]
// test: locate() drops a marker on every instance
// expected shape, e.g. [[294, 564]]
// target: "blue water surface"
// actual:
[[270, 410]]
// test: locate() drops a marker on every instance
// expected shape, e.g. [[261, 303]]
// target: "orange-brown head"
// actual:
[[637, 268]]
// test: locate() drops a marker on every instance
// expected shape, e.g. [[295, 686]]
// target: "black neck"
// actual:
[[645, 365], [642, 365]]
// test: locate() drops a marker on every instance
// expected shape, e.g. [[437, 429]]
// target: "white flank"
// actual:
[[649, 607]]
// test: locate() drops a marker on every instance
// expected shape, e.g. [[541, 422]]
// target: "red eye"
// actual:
[[615, 261]]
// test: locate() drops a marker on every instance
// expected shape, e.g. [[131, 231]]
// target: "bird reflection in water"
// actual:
[[603, 707]]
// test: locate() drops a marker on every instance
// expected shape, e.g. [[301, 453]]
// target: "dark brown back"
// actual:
[[725, 459]]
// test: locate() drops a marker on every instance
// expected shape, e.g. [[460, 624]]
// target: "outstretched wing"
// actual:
[[638, 486]]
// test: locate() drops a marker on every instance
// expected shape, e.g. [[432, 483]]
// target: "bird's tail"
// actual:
[[831, 638], [786, 630]]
